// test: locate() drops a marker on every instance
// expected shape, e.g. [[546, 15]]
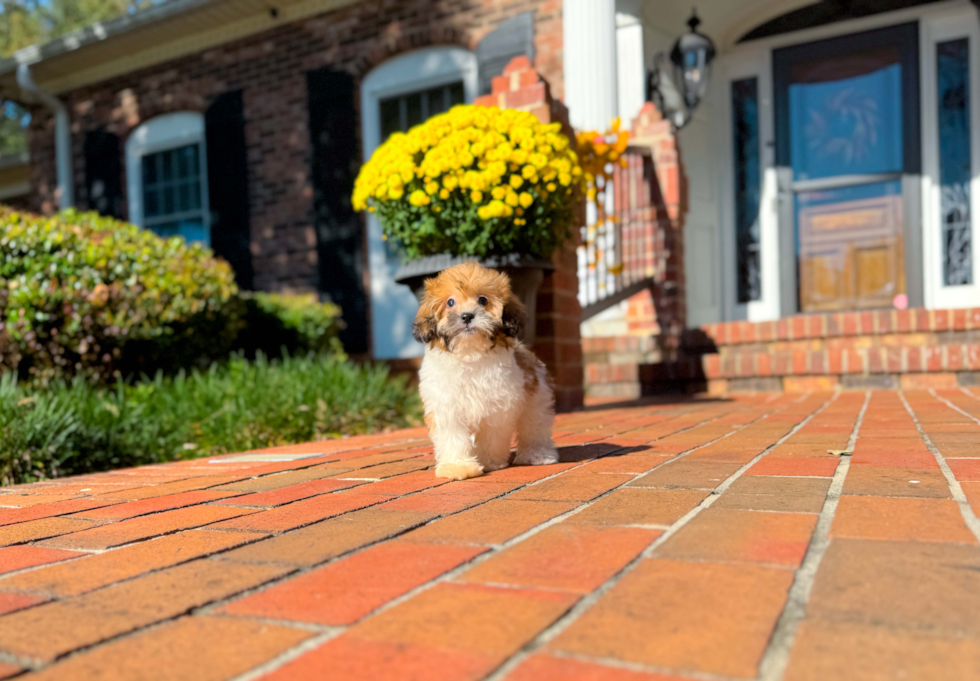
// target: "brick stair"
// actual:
[[881, 349], [854, 350]]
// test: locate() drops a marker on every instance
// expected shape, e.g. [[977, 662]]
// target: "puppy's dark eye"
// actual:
[[450, 302], [482, 300]]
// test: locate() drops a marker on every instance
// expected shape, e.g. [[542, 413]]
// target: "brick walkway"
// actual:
[[694, 540]]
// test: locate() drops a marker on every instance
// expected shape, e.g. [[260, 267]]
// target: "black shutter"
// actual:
[[510, 39], [103, 173], [340, 235], [227, 159]]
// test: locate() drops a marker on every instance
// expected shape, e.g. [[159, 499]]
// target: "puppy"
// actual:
[[479, 384]]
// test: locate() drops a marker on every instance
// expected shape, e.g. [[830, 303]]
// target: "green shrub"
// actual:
[[77, 290], [300, 323], [74, 427]]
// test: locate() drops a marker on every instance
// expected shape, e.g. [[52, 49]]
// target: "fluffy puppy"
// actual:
[[478, 383]]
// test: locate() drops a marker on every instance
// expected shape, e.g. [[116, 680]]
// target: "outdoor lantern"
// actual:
[[691, 57]]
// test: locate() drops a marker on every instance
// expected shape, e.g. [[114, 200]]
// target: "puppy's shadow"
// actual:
[[594, 451]]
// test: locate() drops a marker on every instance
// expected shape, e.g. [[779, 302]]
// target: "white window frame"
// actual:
[[393, 306], [161, 133], [937, 294]]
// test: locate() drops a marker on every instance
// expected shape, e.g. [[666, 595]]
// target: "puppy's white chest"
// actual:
[[489, 387]]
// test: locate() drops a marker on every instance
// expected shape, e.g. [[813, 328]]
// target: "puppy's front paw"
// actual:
[[536, 456], [459, 470]]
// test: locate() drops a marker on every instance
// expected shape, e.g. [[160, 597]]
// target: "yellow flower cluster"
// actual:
[[499, 162], [598, 151]]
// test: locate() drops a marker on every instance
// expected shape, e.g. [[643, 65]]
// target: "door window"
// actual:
[[748, 187], [953, 78]]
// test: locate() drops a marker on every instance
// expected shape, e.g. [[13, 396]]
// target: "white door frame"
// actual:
[[937, 22], [393, 306]]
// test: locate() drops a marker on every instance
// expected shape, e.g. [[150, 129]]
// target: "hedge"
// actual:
[[84, 295], [77, 288]]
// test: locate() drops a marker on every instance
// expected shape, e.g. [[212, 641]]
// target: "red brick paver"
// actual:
[[678, 540]]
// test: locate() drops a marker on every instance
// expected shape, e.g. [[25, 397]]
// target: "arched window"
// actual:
[[166, 176]]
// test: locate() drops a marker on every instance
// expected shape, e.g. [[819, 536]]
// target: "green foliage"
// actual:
[[73, 427], [29, 22], [78, 290], [13, 136], [298, 322]]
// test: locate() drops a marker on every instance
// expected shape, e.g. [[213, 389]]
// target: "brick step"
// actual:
[[739, 362], [843, 324]]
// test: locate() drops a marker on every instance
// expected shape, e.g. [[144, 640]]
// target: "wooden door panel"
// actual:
[[823, 280], [851, 254]]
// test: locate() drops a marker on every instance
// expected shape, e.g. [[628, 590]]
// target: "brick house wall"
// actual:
[[270, 68]]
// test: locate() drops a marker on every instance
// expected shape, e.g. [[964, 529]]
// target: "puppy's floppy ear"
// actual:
[[513, 316], [424, 329]]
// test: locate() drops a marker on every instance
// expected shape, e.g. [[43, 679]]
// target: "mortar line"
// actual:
[[775, 659], [587, 601], [493, 549], [301, 570], [286, 656], [966, 510], [640, 667], [297, 571], [949, 404]]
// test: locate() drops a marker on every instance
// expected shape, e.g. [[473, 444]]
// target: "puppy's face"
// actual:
[[468, 309]]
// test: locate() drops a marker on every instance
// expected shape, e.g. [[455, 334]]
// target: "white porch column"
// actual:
[[630, 60], [591, 81]]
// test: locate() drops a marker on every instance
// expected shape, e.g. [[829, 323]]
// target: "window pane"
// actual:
[[167, 172], [149, 169], [418, 106], [955, 160], [150, 198], [195, 198], [183, 197], [414, 106], [390, 117], [455, 94], [172, 188], [745, 121]]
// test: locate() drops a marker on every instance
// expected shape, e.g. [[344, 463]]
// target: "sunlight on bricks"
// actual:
[[663, 547]]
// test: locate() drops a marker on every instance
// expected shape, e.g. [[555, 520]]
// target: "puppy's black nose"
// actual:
[[467, 317]]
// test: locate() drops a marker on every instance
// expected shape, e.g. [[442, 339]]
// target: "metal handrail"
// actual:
[[622, 241]]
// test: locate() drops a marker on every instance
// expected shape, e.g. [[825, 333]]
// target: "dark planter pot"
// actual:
[[526, 275]]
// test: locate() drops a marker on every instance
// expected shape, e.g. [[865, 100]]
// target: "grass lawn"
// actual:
[[71, 428]]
